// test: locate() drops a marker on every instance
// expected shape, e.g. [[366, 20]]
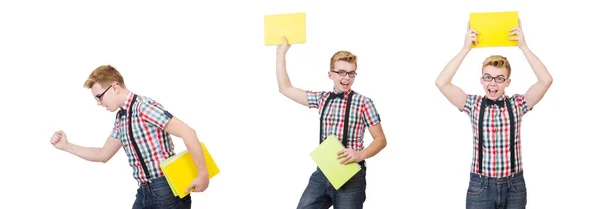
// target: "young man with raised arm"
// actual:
[[345, 114], [496, 178]]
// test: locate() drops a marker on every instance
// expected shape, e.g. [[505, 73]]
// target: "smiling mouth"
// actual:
[[493, 91], [345, 84]]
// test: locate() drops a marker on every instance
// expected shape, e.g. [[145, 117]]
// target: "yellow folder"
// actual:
[[493, 28], [325, 156], [180, 170], [292, 26]]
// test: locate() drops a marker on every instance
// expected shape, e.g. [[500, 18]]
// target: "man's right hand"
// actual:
[[283, 48], [59, 140], [470, 38]]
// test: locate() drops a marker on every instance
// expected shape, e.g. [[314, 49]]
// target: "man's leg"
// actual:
[[352, 194], [316, 196], [516, 196], [481, 194], [139, 199]]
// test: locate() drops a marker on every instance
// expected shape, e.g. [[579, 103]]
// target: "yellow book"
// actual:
[[292, 26], [494, 27], [180, 170], [325, 156]]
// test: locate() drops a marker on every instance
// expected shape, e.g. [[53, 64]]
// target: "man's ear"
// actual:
[[330, 75], [508, 82], [116, 88]]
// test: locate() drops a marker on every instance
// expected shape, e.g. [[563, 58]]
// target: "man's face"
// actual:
[[106, 97], [343, 75], [494, 81]]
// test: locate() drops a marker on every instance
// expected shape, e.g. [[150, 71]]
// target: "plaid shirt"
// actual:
[[496, 135], [362, 115], [148, 120]]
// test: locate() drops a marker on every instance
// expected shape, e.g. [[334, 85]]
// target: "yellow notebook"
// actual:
[[493, 28], [180, 170], [292, 26], [325, 156]]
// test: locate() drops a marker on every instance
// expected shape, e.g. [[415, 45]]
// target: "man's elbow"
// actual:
[[382, 142], [548, 81], [439, 84], [189, 134]]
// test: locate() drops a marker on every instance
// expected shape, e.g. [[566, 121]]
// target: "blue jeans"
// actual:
[[506, 192], [158, 194], [320, 194]]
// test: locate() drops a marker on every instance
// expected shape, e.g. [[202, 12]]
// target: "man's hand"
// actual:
[[518, 33], [59, 140], [470, 38], [349, 156], [199, 184], [283, 48]]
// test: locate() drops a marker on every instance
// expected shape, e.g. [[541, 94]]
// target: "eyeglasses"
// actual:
[[498, 79], [344, 73], [99, 96]]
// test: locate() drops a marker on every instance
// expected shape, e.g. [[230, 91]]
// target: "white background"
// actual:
[[206, 63]]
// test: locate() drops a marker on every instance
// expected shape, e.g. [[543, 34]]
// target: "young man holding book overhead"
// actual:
[[496, 179], [334, 107], [142, 128]]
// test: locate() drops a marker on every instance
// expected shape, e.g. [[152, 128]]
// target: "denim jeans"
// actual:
[[320, 194], [506, 192], [158, 194]]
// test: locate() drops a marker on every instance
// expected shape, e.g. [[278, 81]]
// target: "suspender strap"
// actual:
[[137, 150], [346, 117], [482, 107], [513, 164], [512, 135], [348, 107]]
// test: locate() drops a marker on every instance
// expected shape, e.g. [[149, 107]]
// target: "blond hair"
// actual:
[[104, 75], [497, 61], [343, 56]]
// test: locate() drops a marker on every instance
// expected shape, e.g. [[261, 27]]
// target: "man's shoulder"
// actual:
[[361, 97], [146, 100]]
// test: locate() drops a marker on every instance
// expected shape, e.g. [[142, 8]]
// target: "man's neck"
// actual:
[[123, 95]]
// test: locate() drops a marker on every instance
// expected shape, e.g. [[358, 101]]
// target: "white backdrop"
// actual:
[[206, 63]]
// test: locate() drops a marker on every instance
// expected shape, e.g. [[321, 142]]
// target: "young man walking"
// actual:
[[142, 128], [496, 179], [344, 113]]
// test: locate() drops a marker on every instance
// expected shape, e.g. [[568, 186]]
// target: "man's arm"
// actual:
[[537, 91], [453, 93], [190, 139], [93, 154], [379, 142], [283, 80]]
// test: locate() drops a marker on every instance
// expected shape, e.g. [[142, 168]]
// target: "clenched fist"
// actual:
[[59, 140]]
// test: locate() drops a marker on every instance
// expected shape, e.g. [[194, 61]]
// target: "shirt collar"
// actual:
[[128, 100], [345, 93]]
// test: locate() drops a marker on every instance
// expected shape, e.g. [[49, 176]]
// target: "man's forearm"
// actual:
[[445, 77], [538, 67], [375, 147], [195, 149], [93, 154]]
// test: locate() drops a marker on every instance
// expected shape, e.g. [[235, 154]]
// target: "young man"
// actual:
[[496, 179], [143, 129], [344, 113]]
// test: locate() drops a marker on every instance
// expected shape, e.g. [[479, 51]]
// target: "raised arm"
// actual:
[[453, 93], [93, 154], [537, 91], [283, 80]]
